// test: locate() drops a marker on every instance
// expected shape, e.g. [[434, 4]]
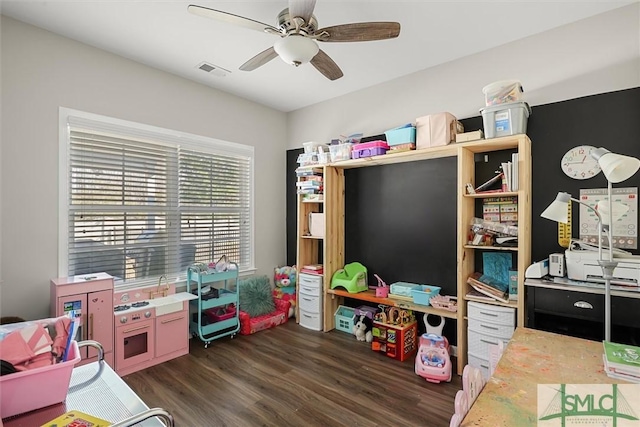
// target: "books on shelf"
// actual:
[[490, 287], [493, 184], [622, 361], [317, 269]]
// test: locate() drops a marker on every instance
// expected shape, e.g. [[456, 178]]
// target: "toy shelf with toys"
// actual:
[[370, 296]]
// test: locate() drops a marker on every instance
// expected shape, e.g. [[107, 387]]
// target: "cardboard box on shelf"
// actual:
[[469, 136]]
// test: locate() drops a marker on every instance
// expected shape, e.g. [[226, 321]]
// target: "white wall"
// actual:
[[40, 72], [596, 55]]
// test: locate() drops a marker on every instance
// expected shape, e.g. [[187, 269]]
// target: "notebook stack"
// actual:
[[622, 361]]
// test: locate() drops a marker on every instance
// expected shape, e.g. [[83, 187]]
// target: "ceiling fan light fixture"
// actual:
[[296, 49]]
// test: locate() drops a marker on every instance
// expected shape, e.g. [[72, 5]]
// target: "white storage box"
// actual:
[[316, 224], [505, 119]]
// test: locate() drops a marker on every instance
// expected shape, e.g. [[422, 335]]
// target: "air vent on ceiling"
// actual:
[[212, 69]]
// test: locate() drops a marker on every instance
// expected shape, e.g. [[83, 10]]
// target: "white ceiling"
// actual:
[[163, 35]]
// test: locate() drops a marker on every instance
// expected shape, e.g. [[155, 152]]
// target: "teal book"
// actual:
[[496, 265], [513, 285]]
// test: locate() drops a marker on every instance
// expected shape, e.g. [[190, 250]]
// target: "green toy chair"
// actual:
[[353, 277]]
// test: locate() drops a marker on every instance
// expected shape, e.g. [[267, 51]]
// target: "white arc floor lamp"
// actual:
[[616, 168]]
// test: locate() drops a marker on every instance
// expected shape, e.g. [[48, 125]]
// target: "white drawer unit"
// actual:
[[310, 280], [310, 301], [487, 325], [491, 313]]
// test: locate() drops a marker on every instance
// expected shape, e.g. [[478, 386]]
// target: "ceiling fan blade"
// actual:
[[231, 18], [326, 66], [302, 9], [359, 32], [259, 60]]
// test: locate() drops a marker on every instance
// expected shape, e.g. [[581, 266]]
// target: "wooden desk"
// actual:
[[534, 357]]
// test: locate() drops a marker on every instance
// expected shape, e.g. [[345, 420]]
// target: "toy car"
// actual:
[[432, 360]]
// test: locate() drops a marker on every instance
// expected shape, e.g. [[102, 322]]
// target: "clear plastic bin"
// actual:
[[340, 152], [502, 92]]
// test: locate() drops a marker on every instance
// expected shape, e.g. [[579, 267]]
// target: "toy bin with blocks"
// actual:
[[395, 333]]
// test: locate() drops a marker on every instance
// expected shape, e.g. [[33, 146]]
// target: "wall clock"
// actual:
[[577, 163]]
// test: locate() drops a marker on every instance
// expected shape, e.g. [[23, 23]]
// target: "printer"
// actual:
[[582, 264]]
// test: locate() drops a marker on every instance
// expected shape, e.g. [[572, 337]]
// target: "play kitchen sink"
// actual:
[[171, 303]]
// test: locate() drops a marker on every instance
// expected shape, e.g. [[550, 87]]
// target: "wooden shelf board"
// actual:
[[492, 194], [480, 146], [512, 304], [370, 296], [312, 237], [493, 248], [313, 201]]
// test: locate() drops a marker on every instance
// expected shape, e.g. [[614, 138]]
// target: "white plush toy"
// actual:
[[362, 326]]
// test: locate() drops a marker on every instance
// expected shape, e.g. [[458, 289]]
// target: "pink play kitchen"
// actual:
[[137, 328]]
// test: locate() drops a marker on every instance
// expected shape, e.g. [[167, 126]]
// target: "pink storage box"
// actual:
[[436, 129], [36, 388], [368, 149]]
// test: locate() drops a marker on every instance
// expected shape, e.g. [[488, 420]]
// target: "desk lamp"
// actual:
[[616, 168]]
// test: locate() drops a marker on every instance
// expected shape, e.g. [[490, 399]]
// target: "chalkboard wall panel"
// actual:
[[292, 205], [400, 221]]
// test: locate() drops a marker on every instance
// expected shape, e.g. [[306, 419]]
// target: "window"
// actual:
[[139, 201]]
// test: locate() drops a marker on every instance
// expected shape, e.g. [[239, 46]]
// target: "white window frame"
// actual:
[[157, 135]]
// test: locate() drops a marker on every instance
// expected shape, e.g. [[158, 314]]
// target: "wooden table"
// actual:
[[534, 357]]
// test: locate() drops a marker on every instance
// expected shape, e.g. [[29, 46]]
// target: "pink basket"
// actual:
[[36, 388]]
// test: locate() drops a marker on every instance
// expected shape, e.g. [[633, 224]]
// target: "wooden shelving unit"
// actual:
[[334, 240]]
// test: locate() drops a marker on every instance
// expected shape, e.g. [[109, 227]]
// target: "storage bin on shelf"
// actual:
[[424, 293], [437, 129], [502, 92], [505, 119], [366, 310], [401, 135], [339, 152], [33, 389], [402, 289], [344, 319], [369, 149]]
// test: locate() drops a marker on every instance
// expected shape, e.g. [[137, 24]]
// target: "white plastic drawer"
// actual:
[[479, 363], [479, 343], [310, 304], [493, 329], [491, 313], [309, 290], [310, 280], [311, 320]]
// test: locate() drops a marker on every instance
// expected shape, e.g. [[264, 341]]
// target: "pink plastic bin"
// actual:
[[36, 388], [368, 149]]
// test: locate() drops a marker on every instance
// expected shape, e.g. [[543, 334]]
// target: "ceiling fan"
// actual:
[[298, 31]]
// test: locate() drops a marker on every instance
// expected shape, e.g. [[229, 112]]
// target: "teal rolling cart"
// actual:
[[215, 313]]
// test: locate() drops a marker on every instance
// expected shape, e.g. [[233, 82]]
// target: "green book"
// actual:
[[622, 357]]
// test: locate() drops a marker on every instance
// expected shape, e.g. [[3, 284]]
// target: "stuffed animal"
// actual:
[[362, 328], [284, 276]]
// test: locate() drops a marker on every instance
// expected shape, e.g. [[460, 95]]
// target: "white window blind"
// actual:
[[142, 203]]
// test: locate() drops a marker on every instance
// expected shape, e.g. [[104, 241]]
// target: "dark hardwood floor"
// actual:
[[291, 376]]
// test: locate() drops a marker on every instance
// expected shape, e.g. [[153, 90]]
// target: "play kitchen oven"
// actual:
[[134, 336]]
